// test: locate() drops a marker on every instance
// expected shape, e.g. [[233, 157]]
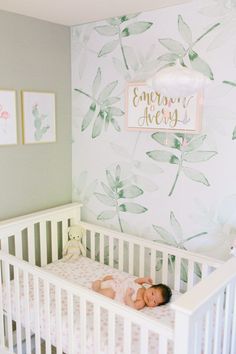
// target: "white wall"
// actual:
[[200, 214]]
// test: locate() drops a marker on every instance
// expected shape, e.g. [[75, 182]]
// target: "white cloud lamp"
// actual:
[[178, 81]]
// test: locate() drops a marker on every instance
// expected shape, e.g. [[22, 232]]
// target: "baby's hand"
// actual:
[[148, 280]]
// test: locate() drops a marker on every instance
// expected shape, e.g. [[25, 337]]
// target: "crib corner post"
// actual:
[[76, 215], [183, 335]]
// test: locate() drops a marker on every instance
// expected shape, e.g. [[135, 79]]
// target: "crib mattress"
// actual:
[[82, 272]]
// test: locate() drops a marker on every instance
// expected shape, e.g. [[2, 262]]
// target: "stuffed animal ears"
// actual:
[[76, 230]]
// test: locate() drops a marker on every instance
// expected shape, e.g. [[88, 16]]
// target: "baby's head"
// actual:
[[157, 295]]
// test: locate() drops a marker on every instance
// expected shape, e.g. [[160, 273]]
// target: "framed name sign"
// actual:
[[147, 109]]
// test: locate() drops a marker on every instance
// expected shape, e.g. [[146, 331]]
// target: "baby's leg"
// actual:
[[108, 292]]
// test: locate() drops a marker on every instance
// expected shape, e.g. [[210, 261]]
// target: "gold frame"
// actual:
[[31, 104]]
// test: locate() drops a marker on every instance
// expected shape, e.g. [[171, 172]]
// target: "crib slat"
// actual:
[[92, 244], [141, 261], [58, 320], [164, 267], [31, 244], [131, 258], [64, 233], [162, 345], [83, 330], [144, 340], [153, 265], [70, 322], [218, 324], [111, 252], [48, 321], [4, 245], [127, 336], [121, 254], [227, 320], [18, 245], [111, 332], [101, 246], [190, 274], [177, 273], [26, 309], [2, 341], [9, 309], [54, 241], [36, 314], [96, 327], [233, 337], [43, 243], [18, 313], [208, 336]]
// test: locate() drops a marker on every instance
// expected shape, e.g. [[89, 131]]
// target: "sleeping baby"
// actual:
[[132, 292]]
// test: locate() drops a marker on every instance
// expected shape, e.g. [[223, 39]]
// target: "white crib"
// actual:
[[32, 319]]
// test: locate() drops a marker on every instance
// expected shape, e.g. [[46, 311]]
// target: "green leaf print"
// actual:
[[234, 134], [176, 239], [102, 109], [163, 156], [199, 64], [107, 215], [178, 51], [130, 192], [108, 48], [97, 82], [107, 30], [184, 30], [185, 146], [117, 190], [132, 208], [173, 46], [195, 175], [116, 30], [136, 28], [198, 156], [88, 116]]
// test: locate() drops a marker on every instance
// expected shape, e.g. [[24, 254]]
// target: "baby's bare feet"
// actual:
[[107, 277], [96, 285]]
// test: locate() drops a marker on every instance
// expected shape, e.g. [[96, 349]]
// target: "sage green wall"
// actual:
[[35, 55]]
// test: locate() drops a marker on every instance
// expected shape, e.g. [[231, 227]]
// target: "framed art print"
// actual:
[[147, 109], [38, 114], [8, 121]]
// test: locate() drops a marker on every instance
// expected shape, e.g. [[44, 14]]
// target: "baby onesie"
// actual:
[[120, 286]]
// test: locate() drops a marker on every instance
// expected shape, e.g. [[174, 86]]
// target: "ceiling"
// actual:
[[74, 12]]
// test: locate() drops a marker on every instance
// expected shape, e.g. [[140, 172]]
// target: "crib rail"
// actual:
[[48, 293], [39, 237], [176, 267], [207, 314]]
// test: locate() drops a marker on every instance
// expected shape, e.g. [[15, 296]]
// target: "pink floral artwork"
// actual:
[[8, 124]]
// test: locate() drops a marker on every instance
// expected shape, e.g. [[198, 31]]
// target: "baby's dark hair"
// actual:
[[165, 292]]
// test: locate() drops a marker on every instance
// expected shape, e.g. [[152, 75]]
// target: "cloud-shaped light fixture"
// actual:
[[178, 81]]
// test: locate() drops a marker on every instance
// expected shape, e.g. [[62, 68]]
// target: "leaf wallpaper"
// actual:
[[175, 188]]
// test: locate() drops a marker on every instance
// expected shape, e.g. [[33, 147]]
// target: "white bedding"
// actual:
[[83, 272]]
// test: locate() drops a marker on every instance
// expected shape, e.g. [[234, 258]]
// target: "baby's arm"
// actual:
[[144, 280], [137, 304]]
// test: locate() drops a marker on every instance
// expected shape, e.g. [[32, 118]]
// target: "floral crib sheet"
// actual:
[[82, 272]]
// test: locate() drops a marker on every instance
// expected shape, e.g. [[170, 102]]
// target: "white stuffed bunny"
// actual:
[[233, 248], [74, 247]]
